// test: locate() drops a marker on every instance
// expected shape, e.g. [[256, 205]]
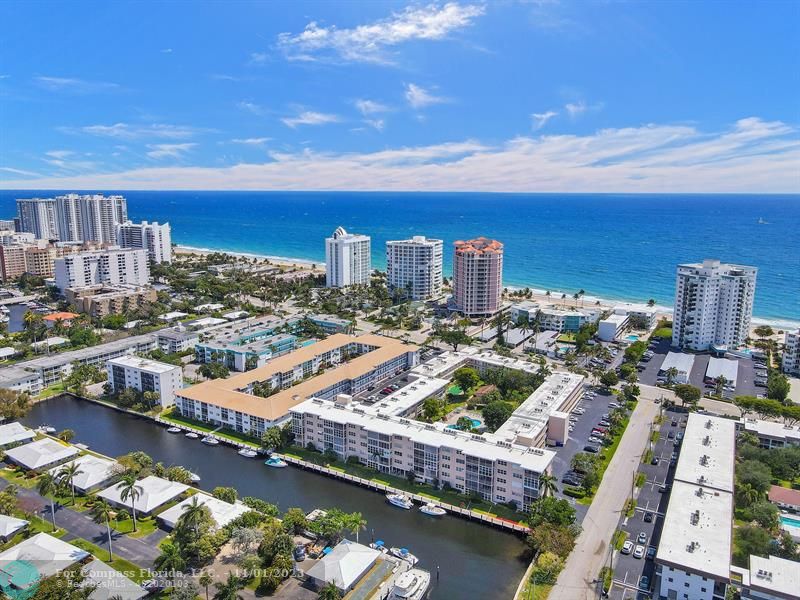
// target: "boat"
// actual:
[[378, 545], [174, 430], [47, 429], [433, 510], [275, 461], [404, 554], [192, 435], [210, 441], [247, 453], [400, 500], [194, 477], [411, 585]]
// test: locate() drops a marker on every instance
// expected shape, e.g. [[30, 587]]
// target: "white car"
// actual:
[[613, 405], [595, 440], [579, 411], [627, 547], [638, 551]]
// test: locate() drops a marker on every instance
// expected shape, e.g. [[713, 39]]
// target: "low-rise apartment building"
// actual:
[[101, 300], [791, 353], [770, 433], [470, 463], [176, 340], [610, 328], [145, 375], [770, 578], [551, 318]]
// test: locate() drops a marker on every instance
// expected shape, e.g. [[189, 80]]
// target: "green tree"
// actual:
[[777, 386], [272, 439], [214, 370], [101, 512], [170, 559], [13, 405], [548, 566], [294, 521], [464, 424], [552, 510], [66, 476], [765, 514], [229, 589], [496, 413], [754, 473], [330, 592], [688, 394], [69, 584], [66, 435], [129, 489], [226, 494], [547, 484], [205, 581], [609, 378], [750, 540], [48, 486], [466, 378], [432, 409], [453, 336], [194, 514], [8, 500]]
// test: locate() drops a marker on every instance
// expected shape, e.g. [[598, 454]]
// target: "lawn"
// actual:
[[567, 338], [234, 436], [53, 390], [662, 332], [127, 568], [17, 478], [535, 591], [144, 526], [608, 454]]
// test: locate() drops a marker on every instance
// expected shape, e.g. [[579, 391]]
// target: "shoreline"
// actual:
[[539, 294]]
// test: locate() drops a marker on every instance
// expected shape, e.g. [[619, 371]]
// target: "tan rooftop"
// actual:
[[481, 245]]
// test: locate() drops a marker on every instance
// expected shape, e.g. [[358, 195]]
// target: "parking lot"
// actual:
[[578, 438], [647, 519]]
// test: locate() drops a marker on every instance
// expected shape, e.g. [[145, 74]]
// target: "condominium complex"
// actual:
[[478, 277], [347, 259], [146, 376], [338, 364], [112, 266], [791, 353], [101, 300], [414, 267], [73, 218], [694, 551], [553, 319], [713, 305], [154, 238], [36, 258]]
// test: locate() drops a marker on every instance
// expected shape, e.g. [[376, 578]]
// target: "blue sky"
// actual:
[[502, 96]]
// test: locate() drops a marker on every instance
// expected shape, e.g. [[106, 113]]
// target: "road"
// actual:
[[591, 550]]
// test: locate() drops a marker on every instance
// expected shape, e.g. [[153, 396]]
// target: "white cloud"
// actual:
[[368, 43], [169, 150], [75, 86], [22, 172], [377, 124], [310, 118], [576, 109], [370, 107], [166, 51], [251, 141], [251, 107], [258, 58], [752, 155], [539, 120], [59, 154], [419, 97], [127, 131]]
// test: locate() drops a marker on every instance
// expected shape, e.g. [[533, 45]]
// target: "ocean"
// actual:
[[613, 246]]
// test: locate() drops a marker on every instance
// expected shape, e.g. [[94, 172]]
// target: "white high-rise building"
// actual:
[[347, 259], [153, 237], [145, 375], [414, 267], [791, 353], [112, 266], [73, 218], [713, 305]]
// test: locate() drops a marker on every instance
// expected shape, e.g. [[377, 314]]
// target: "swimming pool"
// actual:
[[475, 424], [791, 521], [632, 338]]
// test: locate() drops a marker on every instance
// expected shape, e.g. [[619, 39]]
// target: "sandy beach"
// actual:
[[278, 261]]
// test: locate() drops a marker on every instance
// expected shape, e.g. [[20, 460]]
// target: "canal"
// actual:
[[474, 561]]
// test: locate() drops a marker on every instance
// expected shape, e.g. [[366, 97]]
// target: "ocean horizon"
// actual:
[[619, 247]]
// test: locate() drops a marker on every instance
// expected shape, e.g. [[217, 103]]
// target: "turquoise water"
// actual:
[[616, 246], [475, 424], [790, 521], [632, 338]]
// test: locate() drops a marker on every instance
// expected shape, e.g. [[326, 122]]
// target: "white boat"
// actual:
[[411, 585], [47, 429], [192, 435], [275, 461], [247, 453], [210, 441], [174, 430], [194, 477], [378, 545], [404, 554], [431, 509], [400, 500]]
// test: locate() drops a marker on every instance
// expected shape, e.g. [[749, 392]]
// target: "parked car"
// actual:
[[627, 547], [654, 460], [651, 553], [299, 553], [648, 517], [644, 582], [671, 435], [642, 539], [679, 437], [638, 551], [674, 423], [664, 488], [591, 448], [594, 440], [613, 405]]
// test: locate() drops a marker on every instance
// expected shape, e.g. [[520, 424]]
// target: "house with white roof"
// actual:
[[221, 512], [771, 578], [344, 566], [681, 362], [94, 472], [153, 493], [10, 526], [24, 565], [772, 434], [110, 583], [41, 454], [14, 434], [725, 367]]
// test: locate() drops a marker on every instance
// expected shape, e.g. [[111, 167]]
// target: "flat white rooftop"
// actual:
[[776, 575], [707, 453], [774, 430], [9, 526], [50, 342], [399, 402], [110, 583], [14, 433], [47, 554], [153, 492], [615, 319], [210, 307], [697, 530], [41, 453], [172, 316], [726, 367], [682, 362], [222, 512], [235, 314], [143, 364], [94, 471]]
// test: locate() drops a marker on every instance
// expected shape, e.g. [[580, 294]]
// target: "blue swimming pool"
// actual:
[[794, 522], [475, 424], [632, 338]]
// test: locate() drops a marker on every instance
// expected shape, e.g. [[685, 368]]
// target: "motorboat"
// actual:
[[247, 453], [47, 429], [194, 477], [433, 510], [192, 435], [404, 554], [400, 500], [174, 430], [210, 441], [275, 461], [411, 585], [379, 546]]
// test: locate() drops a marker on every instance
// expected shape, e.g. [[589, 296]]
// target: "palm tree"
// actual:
[[170, 559], [547, 484], [205, 581], [66, 475], [102, 512], [747, 494], [330, 592], [355, 523], [193, 514], [229, 589], [48, 486], [671, 374], [720, 383], [129, 488]]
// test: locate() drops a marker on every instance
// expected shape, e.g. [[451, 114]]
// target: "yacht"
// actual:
[[210, 441], [174, 430], [400, 500], [192, 435], [431, 509], [404, 554], [47, 429], [275, 461], [411, 585], [194, 477], [247, 453], [379, 545]]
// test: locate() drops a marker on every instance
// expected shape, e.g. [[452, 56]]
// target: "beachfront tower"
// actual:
[[478, 276], [713, 305], [154, 237], [414, 267], [347, 259]]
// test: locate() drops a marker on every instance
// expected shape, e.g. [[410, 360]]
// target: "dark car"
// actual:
[[592, 449], [644, 582], [648, 517], [654, 460], [299, 553], [671, 434], [664, 488], [674, 423]]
